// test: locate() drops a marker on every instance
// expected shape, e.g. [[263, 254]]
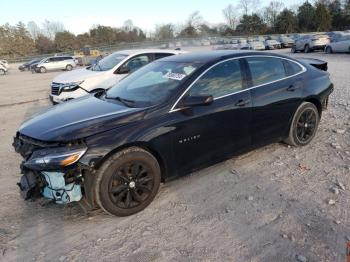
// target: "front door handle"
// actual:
[[242, 102]]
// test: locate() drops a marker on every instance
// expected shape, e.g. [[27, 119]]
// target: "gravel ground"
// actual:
[[276, 203]]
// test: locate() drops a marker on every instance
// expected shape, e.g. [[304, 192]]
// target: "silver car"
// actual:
[[308, 43], [340, 43], [56, 63]]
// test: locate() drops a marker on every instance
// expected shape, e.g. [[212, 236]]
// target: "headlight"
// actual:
[[71, 86], [53, 158]]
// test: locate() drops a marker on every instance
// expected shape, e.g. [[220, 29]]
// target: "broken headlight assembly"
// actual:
[[55, 158], [53, 174], [71, 86]]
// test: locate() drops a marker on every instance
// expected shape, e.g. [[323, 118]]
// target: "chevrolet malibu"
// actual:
[[171, 117]]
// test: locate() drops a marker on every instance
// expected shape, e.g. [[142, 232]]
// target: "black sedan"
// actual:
[[178, 114], [27, 65]]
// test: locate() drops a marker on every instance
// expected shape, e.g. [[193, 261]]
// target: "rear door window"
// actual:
[[265, 69], [161, 55], [137, 62]]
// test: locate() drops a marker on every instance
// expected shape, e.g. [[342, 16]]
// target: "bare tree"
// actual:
[[271, 12], [194, 20], [248, 5], [230, 15], [128, 25], [34, 30], [50, 28], [165, 31]]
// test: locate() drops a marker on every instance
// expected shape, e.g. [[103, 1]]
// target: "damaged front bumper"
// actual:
[[50, 170]]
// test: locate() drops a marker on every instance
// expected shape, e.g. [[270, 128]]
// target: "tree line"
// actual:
[[245, 18]]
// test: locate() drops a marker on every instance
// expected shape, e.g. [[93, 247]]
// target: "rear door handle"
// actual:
[[242, 102], [292, 88]]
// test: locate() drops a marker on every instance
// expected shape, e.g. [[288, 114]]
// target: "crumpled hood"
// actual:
[[78, 119], [77, 75]]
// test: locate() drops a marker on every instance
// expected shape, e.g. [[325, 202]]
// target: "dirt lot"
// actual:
[[273, 204]]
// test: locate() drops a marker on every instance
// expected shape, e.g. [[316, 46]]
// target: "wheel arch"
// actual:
[[143, 145], [316, 102]]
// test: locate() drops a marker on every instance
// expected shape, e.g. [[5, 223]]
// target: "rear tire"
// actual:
[[307, 49], [127, 182], [304, 125], [293, 49], [328, 50], [2, 72], [43, 70], [69, 68]]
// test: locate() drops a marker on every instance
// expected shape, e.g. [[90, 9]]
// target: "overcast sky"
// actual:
[[79, 15]]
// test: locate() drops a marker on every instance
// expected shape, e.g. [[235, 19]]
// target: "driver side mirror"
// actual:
[[123, 70], [191, 101]]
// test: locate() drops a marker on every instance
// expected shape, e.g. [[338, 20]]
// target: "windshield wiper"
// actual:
[[126, 102]]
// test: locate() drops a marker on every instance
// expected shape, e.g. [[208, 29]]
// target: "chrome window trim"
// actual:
[[174, 109]]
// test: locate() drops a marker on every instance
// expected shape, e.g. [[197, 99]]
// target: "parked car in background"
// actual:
[[242, 43], [27, 65], [272, 44], [309, 43], [55, 63], [5, 64], [169, 118], [339, 44], [101, 76], [286, 42], [3, 69], [256, 45]]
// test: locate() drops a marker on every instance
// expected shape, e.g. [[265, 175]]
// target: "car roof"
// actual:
[[214, 55], [140, 51]]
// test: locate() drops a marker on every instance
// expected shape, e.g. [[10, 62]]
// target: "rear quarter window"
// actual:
[[265, 69], [291, 67]]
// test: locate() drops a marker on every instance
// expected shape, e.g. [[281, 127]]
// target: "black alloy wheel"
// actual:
[[127, 182], [304, 125], [131, 184]]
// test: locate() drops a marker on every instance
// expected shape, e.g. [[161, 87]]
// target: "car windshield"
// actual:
[[152, 84], [108, 62]]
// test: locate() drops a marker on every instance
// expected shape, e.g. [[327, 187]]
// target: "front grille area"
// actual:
[[55, 88], [25, 145]]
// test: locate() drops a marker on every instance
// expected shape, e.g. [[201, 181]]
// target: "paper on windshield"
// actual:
[[174, 76]]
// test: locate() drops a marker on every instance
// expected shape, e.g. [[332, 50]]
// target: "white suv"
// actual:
[[56, 63], [104, 74]]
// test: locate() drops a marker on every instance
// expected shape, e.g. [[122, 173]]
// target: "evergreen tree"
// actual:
[[306, 17], [323, 17], [286, 22]]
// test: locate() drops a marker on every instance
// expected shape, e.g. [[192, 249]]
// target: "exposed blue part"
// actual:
[[58, 191]]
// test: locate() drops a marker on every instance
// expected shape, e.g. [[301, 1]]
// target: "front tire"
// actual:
[[127, 182], [43, 70], [2, 72], [304, 125], [293, 49], [69, 68]]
